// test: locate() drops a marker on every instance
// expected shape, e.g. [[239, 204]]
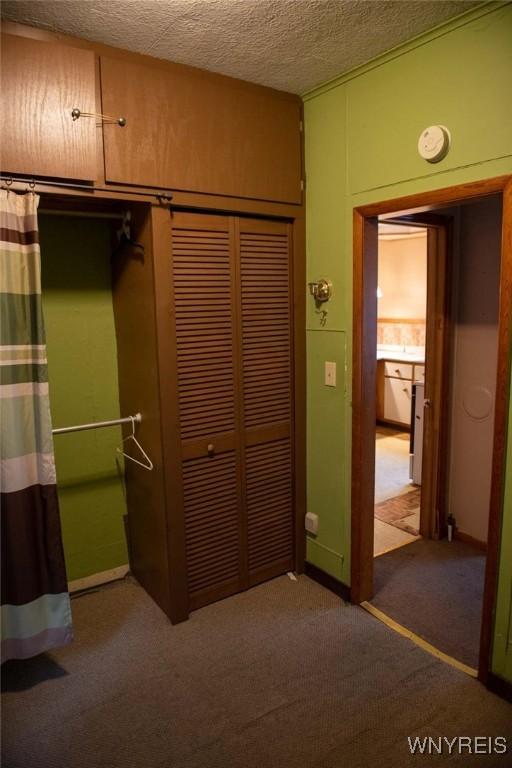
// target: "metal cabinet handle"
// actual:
[[211, 449], [76, 113]]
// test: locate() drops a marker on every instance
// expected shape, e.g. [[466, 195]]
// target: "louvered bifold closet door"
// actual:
[[266, 315], [204, 296]]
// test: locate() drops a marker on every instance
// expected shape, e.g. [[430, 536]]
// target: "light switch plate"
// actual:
[[330, 374]]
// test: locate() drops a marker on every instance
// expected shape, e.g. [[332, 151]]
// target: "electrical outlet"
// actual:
[[311, 523]]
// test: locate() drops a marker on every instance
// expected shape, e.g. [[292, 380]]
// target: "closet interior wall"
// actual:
[[83, 384]]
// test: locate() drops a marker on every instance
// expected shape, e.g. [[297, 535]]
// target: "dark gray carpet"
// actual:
[[283, 676], [435, 589]]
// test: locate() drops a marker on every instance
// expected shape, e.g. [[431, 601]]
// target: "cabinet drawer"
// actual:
[[398, 370], [419, 373], [397, 401]]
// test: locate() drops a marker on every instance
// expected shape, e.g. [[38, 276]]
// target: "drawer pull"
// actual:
[[76, 113], [397, 370], [211, 449]]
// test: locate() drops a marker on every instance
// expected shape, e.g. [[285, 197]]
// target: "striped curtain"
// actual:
[[36, 612]]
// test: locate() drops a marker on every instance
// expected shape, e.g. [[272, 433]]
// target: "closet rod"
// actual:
[[85, 214], [98, 424], [163, 197]]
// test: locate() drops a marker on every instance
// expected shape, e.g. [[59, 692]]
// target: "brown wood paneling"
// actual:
[[134, 313], [169, 409], [203, 297], [40, 84], [212, 510], [267, 381], [269, 484], [188, 131]]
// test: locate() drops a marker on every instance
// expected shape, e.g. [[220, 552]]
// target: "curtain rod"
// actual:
[[98, 424], [88, 214], [163, 197]]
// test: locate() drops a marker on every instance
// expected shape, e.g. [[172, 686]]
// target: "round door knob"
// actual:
[[427, 403], [211, 449]]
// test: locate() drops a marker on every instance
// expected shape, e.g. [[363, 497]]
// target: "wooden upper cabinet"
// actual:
[[194, 131], [40, 85]]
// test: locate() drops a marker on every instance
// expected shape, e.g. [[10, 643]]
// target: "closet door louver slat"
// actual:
[[267, 396], [203, 275]]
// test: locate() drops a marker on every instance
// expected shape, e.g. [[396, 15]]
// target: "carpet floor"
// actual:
[[435, 589], [285, 675]]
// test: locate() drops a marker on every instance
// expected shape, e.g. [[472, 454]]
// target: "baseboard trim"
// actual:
[[327, 581], [467, 539], [96, 579], [499, 686]]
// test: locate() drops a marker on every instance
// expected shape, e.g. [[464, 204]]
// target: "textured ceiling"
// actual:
[[292, 45]]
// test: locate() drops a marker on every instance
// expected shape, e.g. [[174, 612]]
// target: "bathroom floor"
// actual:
[[397, 505]]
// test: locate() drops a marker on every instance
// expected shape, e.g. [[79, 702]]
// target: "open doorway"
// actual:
[[400, 353], [465, 409]]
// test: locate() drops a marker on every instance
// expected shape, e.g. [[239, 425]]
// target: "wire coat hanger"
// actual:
[[147, 464]]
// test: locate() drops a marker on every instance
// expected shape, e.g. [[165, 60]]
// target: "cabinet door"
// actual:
[[190, 130], [267, 396], [203, 286], [397, 401], [41, 84]]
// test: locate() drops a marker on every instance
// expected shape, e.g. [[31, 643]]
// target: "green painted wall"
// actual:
[[82, 369], [361, 146]]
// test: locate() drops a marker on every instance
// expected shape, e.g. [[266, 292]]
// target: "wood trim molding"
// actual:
[[501, 413], [467, 539], [499, 686], [403, 320], [363, 372], [327, 581], [171, 445], [404, 206], [364, 384], [299, 377]]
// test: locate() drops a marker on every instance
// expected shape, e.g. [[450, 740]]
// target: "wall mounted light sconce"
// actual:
[[321, 290]]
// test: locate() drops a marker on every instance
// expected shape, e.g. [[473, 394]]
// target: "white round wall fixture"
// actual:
[[434, 143], [477, 402]]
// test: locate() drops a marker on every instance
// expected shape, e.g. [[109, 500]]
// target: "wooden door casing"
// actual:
[[41, 84], [194, 131]]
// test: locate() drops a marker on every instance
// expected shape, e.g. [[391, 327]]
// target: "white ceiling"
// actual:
[[292, 45]]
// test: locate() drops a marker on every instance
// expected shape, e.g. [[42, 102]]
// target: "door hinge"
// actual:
[[302, 185], [301, 126]]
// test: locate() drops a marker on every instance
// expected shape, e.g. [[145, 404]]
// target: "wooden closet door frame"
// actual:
[[365, 219], [167, 363]]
